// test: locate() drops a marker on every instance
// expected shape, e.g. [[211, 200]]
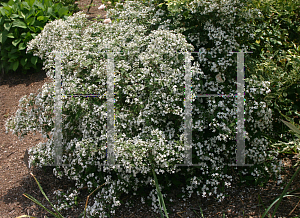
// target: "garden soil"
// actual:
[[15, 178]]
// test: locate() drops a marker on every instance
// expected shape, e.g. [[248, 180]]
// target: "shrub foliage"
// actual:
[[20, 22]]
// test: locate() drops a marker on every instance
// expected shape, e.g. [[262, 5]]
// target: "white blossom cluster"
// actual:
[[149, 111]]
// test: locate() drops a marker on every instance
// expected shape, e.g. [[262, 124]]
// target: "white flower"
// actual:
[[106, 21], [102, 7]]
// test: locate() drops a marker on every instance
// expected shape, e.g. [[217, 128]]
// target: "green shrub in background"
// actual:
[[20, 22], [276, 59], [73, 7]]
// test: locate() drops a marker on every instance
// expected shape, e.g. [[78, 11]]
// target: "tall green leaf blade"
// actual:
[[292, 127], [38, 203]]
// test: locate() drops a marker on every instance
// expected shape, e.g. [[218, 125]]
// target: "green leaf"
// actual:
[[16, 42], [15, 65], [21, 14], [23, 61], [40, 18], [34, 60], [30, 2], [32, 28], [14, 16], [23, 35], [292, 127], [10, 35], [62, 11], [40, 5], [25, 4], [19, 23], [22, 46], [2, 10], [3, 36], [49, 11], [7, 26]]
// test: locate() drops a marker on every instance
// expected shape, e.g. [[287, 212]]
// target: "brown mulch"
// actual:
[[16, 180]]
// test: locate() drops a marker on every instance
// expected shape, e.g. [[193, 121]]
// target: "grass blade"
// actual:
[[281, 196], [292, 127], [59, 215], [160, 197], [38, 203]]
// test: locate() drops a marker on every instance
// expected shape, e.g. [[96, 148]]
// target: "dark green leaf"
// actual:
[[23, 61], [3, 36], [34, 60], [15, 65], [12, 55]]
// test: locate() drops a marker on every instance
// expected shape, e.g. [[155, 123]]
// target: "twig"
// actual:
[[178, 213], [294, 208]]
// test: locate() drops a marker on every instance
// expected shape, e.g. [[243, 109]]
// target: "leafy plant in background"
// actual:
[[148, 67], [72, 6], [276, 59], [20, 22]]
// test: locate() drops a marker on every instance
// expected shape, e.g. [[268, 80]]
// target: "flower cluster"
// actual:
[[149, 87]]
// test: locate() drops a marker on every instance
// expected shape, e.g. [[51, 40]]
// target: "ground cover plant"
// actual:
[[149, 64]]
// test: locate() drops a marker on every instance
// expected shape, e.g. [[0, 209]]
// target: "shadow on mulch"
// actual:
[[15, 78], [49, 183]]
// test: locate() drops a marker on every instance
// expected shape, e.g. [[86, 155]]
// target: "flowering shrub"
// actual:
[[149, 112]]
